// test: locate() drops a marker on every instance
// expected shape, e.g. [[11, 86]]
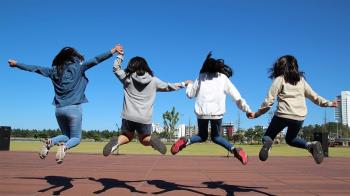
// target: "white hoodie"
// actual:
[[210, 90]]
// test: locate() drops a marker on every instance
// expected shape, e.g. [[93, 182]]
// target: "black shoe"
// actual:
[[110, 146], [157, 144], [316, 150], [264, 151]]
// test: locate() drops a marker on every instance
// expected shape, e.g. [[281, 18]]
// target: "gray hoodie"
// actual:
[[140, 93]]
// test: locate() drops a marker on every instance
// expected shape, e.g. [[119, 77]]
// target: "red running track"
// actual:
[[88, 174]]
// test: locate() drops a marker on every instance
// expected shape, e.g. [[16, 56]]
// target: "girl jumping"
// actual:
[[210, 90], [140, 87], [69, 80], [291, 89]]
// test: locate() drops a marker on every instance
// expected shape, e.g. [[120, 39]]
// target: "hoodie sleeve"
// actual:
[[164, 86], [236, 96], [315, 98], [98, 59], [44, 71], [192, 89], [117, 70]]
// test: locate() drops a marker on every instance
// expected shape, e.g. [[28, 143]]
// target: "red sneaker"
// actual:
[[240, 155], [178, 145]]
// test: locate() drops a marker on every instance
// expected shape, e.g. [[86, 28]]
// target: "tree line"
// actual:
[[251, 135]]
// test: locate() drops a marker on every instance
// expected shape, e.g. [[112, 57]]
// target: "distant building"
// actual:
[[185, 131], [181, 131], [342, 112], [157, 128], [227, 129]]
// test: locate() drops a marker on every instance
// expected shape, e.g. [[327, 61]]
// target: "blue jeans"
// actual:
[[202, 136], [69, 119], [277, 124]]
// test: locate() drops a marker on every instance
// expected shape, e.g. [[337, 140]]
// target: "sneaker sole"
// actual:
[[264, 151], [158, 145], [175, 150], [42, 156], [60, 154], [317, 153], [107, 150]]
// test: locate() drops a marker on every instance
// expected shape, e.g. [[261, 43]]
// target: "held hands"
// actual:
[[250, 115], [188, 82], [12, 63], [118, 48], [334, 103]]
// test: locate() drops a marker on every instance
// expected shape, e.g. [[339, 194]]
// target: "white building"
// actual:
[[157, 128], [181, 131], [342, 112]]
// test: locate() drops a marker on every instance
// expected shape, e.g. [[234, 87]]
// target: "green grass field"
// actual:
[[196, 149]]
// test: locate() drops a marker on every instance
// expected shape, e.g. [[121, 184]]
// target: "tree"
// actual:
[[170, 120], [238, 137]]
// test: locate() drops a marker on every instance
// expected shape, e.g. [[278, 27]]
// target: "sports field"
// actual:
[[206, 149]]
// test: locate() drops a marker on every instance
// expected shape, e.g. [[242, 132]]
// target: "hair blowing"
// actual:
[[286, 66], [212, 65]]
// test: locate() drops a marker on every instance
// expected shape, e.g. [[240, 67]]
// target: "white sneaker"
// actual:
[[61, 152], [47, 144]]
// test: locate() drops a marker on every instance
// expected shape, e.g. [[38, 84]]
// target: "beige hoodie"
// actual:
[[291, 99]]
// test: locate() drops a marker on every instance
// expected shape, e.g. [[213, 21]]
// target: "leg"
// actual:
[[127, 134], [277, 124], [292, 138], [216, 137], [202, 136], [145, 137], [48, 143], [63, 124], [202, 132], [75, 121]]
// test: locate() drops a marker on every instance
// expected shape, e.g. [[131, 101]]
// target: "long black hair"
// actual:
[[139, 65], [66, 56], [212, 65], [286, 66]]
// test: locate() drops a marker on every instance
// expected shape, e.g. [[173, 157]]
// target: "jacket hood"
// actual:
[[144, 79]]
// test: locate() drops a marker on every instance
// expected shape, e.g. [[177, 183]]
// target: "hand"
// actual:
[[12, 63], [334, 103], [188, 82], [118, 48], [250, 115]]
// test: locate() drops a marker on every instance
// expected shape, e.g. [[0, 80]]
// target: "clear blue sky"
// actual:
[[174, 37]]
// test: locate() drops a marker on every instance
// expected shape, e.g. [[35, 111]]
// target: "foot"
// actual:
[[240, 155], [264, 151], [315, 148], [157, 144], [178, 145], [61, 152], [110, 147], [47, 144]]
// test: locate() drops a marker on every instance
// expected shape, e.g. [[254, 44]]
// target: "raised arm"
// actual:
[[164, 86], [318, 100], [98, 59], [236, 96], [44, 71]]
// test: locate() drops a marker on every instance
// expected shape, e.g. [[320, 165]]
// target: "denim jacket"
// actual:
[[69, 86]]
